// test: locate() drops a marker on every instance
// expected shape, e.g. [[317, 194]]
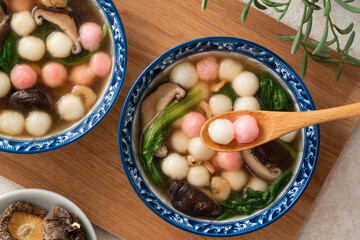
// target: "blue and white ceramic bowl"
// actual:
[[103, 105], [152, 197]]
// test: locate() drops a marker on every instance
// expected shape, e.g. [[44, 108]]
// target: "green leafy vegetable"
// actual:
[[272, 96], [75, 60], [252, 200], [159, 129], [292, 149], [228, 91], [44, 30], [9, 56]]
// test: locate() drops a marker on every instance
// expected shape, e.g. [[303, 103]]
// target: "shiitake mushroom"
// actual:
[[29, 99], [191, 200], [61, 224], [8, 214]]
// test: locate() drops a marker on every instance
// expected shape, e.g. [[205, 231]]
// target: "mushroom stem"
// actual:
[[61, 18]]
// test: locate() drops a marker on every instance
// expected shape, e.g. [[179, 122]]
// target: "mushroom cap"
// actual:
[[5, 218], [191, 200], [61, 18], [61, 224], [159, 99], [257, 168], [268, 160]]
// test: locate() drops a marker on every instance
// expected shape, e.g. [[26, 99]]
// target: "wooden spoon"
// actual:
[[276, 124]]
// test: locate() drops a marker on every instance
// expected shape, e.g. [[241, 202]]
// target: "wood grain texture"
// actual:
[[89, 171]]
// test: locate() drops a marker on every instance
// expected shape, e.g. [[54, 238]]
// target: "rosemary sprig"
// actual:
[[316, 50]]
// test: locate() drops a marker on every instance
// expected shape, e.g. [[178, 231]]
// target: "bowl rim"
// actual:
[[99, 112], [221, 225], [28, 192]]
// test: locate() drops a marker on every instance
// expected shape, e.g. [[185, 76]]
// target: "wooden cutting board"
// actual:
[[89, 171]]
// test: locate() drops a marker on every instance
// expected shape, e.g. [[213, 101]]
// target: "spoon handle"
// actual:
[[285, 122]]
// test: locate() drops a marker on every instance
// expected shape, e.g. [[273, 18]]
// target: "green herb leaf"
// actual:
[[285, 38], [321, 55], [346, 30], [274, 4], [285, 10], [322, 42], [298, 36], [327, 8], [245, 11], [309, 15], [308, 29], [338, 73], [259, 5], [203, 4], [324, 50], [348, 7], [328, 60], [355, 60], [349, 42], [294, 152]]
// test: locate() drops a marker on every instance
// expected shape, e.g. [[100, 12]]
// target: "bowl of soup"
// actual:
[[41, 214], [62, 67], [191, 186]]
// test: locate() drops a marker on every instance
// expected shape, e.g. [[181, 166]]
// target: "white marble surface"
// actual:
[[335, 212], [340, 17]]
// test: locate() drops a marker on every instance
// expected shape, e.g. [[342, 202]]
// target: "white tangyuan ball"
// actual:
[[229, 69], [38, 123], [289, 137], [199, 151], [70, 107], [23, 23], [179, 141], [59, 45], [199, 176], [220, 103], [246, 84], [237, 179], [5, 84], [246, 103], [31, 48], [185, 75], [12, 122], [257, 184], [175, 166], [222, 131]]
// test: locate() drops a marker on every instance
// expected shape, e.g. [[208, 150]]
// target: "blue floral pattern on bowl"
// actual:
[[246, 224], [103, 107]]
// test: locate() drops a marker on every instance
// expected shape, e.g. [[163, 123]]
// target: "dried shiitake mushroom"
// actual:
[[60, 224], [22, 220]]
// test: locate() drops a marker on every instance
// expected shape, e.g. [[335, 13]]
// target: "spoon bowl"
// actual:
[[275, 124]]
